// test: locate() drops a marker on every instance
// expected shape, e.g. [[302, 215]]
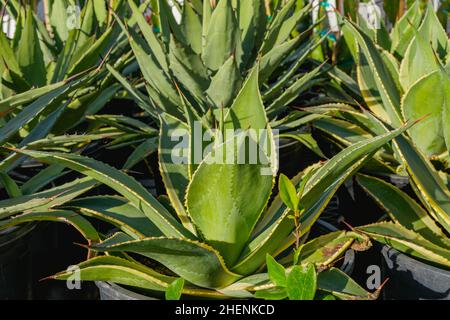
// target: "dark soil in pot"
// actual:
[[15, 263], [411, 279]]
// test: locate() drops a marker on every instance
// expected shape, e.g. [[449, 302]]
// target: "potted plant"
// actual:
[[409, 82], [215, 228], [49, 82]]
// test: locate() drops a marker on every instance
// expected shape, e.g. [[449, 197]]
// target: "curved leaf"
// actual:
[[192, 260]]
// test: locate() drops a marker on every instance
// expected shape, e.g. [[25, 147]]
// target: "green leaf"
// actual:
[[175, 289], [46, 199], [191, 28], [100, 11], [117, 211], [432, 91], [342, 286], [175, 170], [324, 250], [120, 271], [10, 185], [302, 283], [17, 100], [277, 273], [318, 192], [119, 181], [196, 262], [77, 221], [404, 29], [225, 215], [225, 84], [271, 294], [403, 209], [419, 61], [223, 37], [247, 110], [408, 242], [432, 29], [288, 193], [34, 109], [29, 55], [375, 74]]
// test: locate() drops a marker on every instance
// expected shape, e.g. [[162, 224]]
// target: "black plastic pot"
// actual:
[[15, 263], [410, 279], [112, 291]]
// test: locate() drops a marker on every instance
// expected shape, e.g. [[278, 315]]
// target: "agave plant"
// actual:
[[394, 87], [43, 55], [217, 225], [409, 82], [52, 76], [209, 53]]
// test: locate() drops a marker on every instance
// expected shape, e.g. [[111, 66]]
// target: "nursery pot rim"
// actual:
[[389, 252], [113, 289]]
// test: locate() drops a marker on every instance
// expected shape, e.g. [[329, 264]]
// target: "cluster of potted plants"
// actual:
[[197, 148]]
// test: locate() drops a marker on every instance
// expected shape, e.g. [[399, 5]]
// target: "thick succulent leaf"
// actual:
[[189, 70], [149, 36], [173, 164], [407, 242], [278, 29], [225, 84], [77, 221], [122, 183], [46, 199], [130, 273], [299, 86], [118, 270], [324, 250], [429, 97], [373, 71], [321, 187], [7, 55], [429, 184], [29, 53], [342, 286], [223, 38], [154, 75], [10, 186], [194, 261], [117, 211], [247, 110], [419, 61], [34, 109], [431, 28], [272, 59], [141, 152], [191, 28], [404, 29], [252, 22], [9, 104], [403, 209], [226, 214], [304, 52]]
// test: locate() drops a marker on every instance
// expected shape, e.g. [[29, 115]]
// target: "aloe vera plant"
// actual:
[[216, 226]]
